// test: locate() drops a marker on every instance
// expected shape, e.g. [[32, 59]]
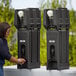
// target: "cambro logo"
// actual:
[[51, 41], [22, 41]]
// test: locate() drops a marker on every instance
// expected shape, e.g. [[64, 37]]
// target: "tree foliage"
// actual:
[[72, 38]]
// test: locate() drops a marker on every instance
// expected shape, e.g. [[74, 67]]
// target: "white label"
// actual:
[[51, 41], [22, 41]]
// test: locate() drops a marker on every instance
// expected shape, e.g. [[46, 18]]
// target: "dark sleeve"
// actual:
[[4, 51], [7, 55]]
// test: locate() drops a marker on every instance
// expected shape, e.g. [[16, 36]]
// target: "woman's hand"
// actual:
[[17, 61], [21, 61]]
